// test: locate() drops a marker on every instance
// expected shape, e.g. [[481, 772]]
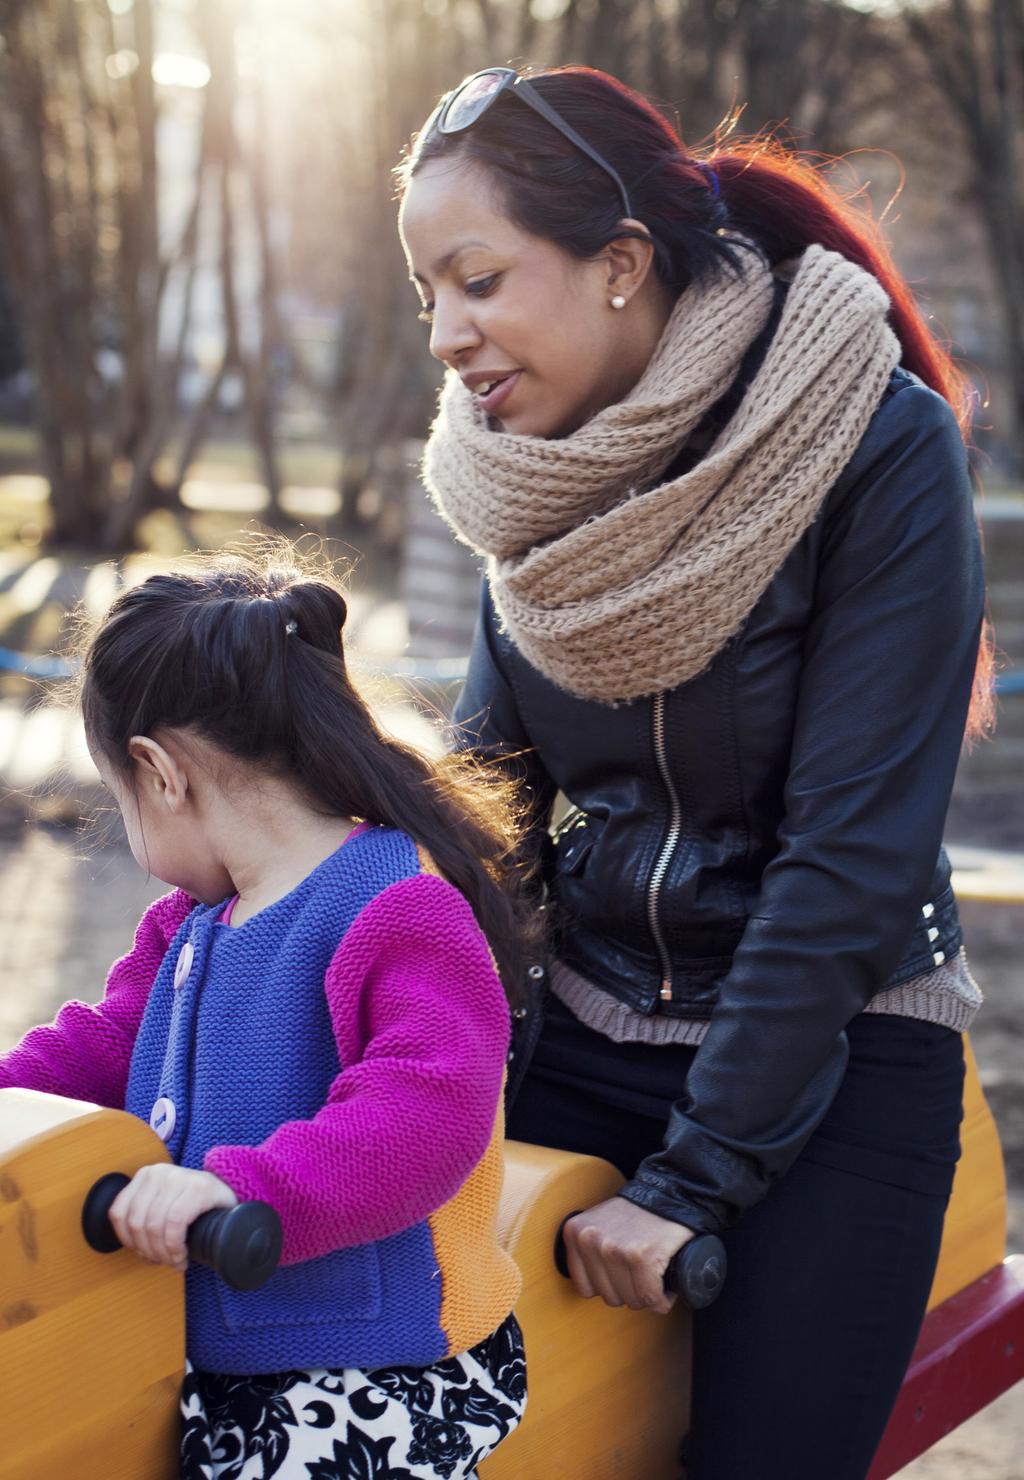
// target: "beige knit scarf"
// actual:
[[615, 585]]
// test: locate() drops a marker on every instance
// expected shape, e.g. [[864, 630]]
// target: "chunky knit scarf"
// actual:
[[616, 585]]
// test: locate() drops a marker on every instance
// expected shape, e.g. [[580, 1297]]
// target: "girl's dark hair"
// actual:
[[774, 196], [246, 652]]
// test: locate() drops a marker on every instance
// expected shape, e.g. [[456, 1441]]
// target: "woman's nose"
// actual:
[[452, 333]]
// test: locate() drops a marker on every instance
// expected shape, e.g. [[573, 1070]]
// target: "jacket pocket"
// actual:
[[573, 844], [572, 860], [342, 1286]]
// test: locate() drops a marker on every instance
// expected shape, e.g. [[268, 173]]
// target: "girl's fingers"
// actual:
[[177, 1221], [152, 1215], [130, 1215], [169, 1219]]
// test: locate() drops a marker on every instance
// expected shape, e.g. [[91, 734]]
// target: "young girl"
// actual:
[[312, 1017]]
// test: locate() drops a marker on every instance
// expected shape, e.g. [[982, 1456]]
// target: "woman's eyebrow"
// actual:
[[443, 263]]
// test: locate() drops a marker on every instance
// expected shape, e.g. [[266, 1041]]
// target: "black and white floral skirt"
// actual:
[[394, 1423]]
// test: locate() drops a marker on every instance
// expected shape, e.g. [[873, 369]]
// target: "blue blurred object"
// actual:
[[44, 667], [416, 670]]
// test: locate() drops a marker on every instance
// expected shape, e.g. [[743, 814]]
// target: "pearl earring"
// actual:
[[618, 301]]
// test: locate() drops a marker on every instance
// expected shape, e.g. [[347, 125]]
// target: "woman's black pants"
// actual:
[[796, 1367]]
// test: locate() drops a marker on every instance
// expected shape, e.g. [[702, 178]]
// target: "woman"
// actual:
[[733, 612]]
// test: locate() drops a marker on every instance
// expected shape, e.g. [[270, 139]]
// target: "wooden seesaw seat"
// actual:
[[607, 1388], [92, 1346]]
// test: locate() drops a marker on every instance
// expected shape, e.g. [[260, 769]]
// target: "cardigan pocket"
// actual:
[[341, 1286]]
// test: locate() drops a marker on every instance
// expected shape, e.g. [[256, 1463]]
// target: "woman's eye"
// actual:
[[479, 288]]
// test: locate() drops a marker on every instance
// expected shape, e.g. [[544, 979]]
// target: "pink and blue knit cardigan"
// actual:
[[341, 1055]]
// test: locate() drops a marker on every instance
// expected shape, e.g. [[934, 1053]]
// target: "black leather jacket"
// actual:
[[761, 846]]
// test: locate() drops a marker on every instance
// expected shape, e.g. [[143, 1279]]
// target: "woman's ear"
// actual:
[[159, 772], [628, 262]]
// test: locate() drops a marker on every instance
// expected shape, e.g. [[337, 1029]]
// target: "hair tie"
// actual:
[[712, 176], [291, 628]]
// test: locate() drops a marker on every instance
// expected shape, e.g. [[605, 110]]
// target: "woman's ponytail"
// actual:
[[784, 202]]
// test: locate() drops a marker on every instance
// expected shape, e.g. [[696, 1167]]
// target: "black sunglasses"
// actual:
[[468, 102]]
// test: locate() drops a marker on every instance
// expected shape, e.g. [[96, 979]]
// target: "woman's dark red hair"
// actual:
[[775, 196]]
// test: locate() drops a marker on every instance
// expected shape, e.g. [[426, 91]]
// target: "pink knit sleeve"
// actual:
[[85, 1052], [422, 1029]]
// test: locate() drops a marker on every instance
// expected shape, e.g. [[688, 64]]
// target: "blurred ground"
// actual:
[[71, 895]]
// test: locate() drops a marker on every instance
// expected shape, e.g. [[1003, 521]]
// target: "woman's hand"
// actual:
[[153, 1213], [620, 1252]]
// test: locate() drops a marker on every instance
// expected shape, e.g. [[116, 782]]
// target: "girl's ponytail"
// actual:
[[464, 814]]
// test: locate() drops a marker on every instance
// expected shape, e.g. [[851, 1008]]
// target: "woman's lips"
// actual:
[[499, 394]]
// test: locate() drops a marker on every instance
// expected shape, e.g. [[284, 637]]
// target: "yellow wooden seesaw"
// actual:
[[988, 875], [92, 1345]]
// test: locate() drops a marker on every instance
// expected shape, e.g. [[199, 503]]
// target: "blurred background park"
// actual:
[[206, 327]]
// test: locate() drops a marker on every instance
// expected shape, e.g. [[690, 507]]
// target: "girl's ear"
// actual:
[[159, 773]]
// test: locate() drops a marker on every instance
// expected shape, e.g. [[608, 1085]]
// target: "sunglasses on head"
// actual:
[[468, 103]]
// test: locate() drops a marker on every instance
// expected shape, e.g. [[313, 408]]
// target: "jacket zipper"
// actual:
[[664, 858]]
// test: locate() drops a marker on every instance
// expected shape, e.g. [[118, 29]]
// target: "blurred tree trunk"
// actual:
[[261, 394], [976, 55], [80, 237], [384, 384], [243, 183], [222, 166]]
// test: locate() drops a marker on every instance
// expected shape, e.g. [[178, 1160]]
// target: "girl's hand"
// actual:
[[620, 1252], [153, 1213]]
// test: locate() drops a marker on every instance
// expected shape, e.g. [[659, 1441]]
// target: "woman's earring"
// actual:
[[618, 301]]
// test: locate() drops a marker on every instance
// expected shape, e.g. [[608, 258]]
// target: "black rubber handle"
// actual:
[[696, 1274], [242, 1244]]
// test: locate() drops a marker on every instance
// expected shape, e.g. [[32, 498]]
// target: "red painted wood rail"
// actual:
[[971, 1349]]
